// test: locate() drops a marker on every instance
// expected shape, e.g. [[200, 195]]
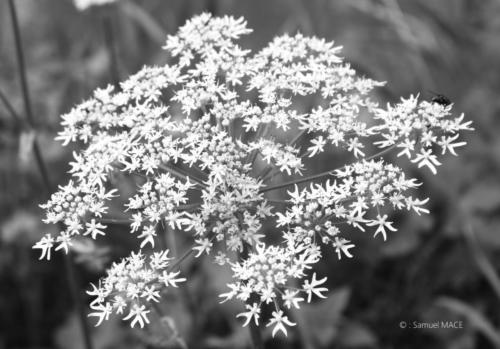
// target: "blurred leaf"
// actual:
[[22, 227], [482, 261], [474, 318], [25, 153], [319, 321], [110, 334], [482, 197], [406, 239], [162, 334], [86, 252], [239, 338], [354, 334]]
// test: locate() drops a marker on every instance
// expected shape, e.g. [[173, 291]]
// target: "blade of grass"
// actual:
[[483, 263], [70, 271], [474, 317], [145, 21]]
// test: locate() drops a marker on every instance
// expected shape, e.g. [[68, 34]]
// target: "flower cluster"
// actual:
[[77, 207], [131, 285], [418, 127], [268, 273], [158, 199], [360, 188], [204, 139]]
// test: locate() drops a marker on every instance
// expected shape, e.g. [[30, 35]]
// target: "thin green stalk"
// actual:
[[70, 272], [73, 284]]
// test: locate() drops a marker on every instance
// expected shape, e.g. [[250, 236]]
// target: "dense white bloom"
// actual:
[[132, 284], [203, 137]]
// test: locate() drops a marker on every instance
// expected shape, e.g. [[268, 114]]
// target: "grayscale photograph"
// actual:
[[223, 174]]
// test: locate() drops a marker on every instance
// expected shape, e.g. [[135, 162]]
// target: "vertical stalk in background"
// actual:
[[110, 42], [25, 92], [80, 309], [70, 272], [15, 116], [256, 336]]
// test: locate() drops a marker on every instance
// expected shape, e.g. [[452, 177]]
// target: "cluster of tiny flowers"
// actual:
[[202, 139], [131, 285], [365, 187], [417, 128], [158, 199], [77, 208], [85, 4], [267, 275]]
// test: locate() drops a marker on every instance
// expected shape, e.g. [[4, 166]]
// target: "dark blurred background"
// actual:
[[440, 267]]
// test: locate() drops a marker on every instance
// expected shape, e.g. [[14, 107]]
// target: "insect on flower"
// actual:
[[440, 99]]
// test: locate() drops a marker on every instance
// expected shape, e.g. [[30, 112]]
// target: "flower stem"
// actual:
[[256, 336], [70, 272], [25, 92], [180, 260], [10, 108], [319, 175], [73, 284]]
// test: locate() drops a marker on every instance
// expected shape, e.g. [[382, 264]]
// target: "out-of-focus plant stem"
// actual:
[[482, 261], [25, 93], [10, 108], [70, 271], [110, 41], [144, 20]]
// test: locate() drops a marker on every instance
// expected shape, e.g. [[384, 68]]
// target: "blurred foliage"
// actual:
[[441, 267]]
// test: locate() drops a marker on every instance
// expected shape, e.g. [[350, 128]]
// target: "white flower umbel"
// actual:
[[131, 285], [204, 140]]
